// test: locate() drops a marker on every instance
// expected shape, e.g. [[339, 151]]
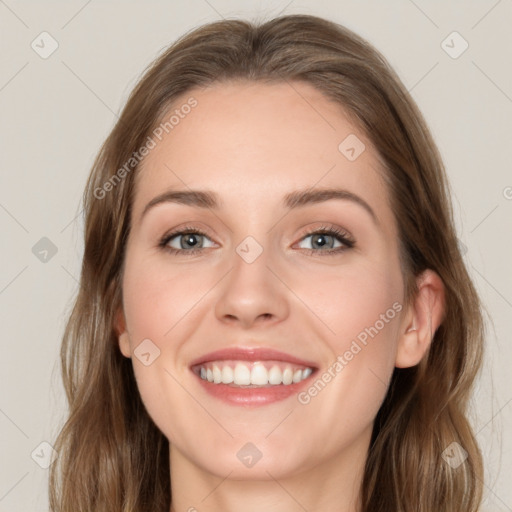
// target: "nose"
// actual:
[[252, 293]]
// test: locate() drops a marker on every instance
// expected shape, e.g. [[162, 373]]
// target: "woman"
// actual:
[[273, 312]]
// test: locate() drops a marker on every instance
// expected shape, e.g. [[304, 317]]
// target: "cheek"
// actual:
[[154, 305], [368, 317], [362, 306], [361, 301], [163, 305], [157, 298]]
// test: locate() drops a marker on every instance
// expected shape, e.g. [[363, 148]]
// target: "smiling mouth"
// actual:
[[252, 374]]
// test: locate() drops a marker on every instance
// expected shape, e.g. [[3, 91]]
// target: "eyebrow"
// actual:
[[296, 199]]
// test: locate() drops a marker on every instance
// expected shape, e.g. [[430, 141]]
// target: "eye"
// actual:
[[328, 240], [189, 240]]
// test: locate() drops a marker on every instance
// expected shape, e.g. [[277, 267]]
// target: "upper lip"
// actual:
[[251, 354]]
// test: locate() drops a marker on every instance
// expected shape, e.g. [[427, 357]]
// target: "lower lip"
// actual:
[[253, 396]]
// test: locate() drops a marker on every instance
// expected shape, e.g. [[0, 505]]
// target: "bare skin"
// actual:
[[252, 144]]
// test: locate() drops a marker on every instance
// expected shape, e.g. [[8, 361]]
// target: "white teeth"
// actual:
[[242, 375], [227, 375], [217, 374], [275, 375], [287, 376], [259, 375], [306, 373], [255, 374]]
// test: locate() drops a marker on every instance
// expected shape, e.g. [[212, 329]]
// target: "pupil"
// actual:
[[320, 237], [191, 239]]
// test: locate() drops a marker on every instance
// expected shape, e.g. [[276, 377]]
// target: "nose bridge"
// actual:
[[251, 290], [251, 263]]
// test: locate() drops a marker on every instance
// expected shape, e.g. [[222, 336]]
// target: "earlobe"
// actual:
[[122, 333], [421, 321]]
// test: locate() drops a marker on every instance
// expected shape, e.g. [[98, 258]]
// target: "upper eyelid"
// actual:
[[203, 231]]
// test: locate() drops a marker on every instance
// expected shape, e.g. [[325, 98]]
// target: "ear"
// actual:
[[421, 320], [122, 333]]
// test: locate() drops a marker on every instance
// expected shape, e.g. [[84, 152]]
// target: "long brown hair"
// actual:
[[111, 455]]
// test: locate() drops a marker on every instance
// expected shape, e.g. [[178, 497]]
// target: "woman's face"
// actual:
[[267, 273]]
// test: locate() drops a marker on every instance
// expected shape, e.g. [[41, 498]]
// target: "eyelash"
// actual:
[[341, 235]]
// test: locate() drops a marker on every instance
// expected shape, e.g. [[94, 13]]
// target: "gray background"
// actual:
[[55, 113]]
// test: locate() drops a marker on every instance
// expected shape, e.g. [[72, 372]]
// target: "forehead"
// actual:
[[253, 143]]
